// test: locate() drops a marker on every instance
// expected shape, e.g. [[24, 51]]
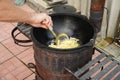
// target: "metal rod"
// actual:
[[51, 30]]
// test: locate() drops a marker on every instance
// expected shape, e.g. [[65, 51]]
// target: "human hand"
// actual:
[[40, 20]]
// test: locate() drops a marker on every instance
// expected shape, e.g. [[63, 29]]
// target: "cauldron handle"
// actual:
[[18, 41]]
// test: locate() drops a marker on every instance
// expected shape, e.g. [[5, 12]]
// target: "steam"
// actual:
[[69, 27]]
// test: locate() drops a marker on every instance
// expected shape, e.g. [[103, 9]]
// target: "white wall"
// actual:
[[103, 33], [81, 5], [115, 8]]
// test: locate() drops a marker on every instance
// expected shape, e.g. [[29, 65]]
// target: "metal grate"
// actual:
[[99, 69], [25, 29]]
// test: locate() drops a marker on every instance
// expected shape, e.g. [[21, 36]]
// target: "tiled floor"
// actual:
[[13, 58]]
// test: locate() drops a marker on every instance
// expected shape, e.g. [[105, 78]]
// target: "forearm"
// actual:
[[11, 13]]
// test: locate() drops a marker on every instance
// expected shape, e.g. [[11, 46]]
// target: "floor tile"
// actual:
[[14, 70], [27, 56], [9, 77], [31, 77], [6, 26], [5, 31], [21, 73], [15, 49], [4, 54], [4, 36]]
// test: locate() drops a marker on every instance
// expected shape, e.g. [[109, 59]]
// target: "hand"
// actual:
[[40, 20]]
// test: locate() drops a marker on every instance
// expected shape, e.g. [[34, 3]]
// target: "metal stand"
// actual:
[[98, 65], [37, 76]]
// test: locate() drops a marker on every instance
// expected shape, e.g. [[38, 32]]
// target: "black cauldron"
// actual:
[[72, 24], [50, 62]]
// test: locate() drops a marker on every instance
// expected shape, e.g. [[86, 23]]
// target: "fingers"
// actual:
[[40, 20], [47, 21], [39, 25]]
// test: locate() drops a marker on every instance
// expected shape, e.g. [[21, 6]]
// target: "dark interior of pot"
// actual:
[[71, 24]]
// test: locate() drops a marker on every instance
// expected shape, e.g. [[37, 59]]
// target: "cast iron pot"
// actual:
[[74, 25], [52, 63]]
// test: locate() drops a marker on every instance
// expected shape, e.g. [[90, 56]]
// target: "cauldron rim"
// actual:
[[88, 44]]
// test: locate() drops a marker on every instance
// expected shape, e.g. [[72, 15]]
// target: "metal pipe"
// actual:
[[96, 12]]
